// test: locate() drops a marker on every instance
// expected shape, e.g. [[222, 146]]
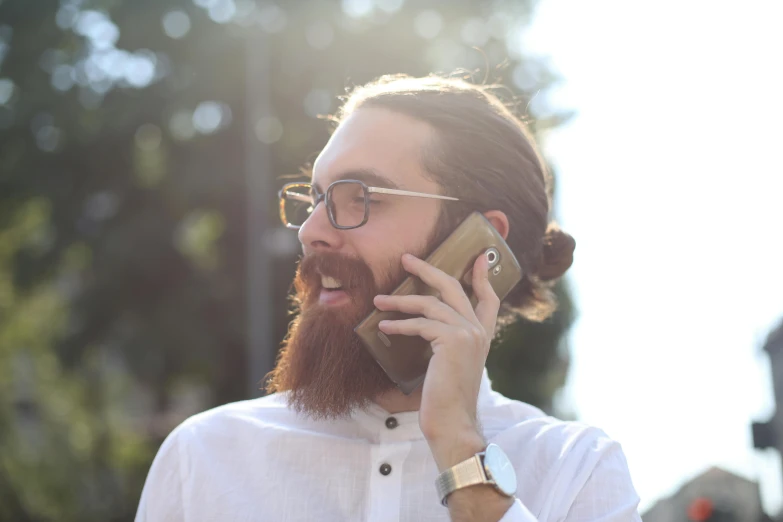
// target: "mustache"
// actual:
[[353, 273]]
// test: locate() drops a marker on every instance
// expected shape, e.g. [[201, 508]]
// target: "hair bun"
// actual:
[[557, 253]]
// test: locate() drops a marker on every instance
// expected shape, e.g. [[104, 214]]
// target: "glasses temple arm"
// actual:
[[395, 192], [297, 196]]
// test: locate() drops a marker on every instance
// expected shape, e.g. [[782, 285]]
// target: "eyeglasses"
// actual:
[[348, 202]]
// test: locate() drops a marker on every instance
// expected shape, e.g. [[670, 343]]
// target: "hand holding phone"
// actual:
[[405, 358]]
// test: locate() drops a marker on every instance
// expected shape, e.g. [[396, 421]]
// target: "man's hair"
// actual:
[[486, 157]]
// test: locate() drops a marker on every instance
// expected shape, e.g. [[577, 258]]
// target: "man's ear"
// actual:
[[499, 220]]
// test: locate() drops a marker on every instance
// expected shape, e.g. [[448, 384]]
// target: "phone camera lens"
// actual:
[[492, 256]]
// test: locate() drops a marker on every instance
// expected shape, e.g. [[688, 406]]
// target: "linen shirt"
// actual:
[[258, 460]]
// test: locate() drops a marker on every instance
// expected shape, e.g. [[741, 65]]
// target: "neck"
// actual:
[[394, 401]]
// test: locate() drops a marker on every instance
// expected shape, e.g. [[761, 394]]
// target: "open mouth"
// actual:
[[330, 284], [332, 292]]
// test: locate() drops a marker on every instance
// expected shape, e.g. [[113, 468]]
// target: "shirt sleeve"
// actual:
[[608, 494], [161, 498], [518, 513]]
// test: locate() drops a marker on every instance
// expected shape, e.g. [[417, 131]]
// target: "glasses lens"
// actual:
[[347, 203], [296, 204]]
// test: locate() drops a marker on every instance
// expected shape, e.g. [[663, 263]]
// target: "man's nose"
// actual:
[[317, 232]]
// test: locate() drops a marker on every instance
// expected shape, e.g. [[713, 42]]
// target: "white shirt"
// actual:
[[258, 460]]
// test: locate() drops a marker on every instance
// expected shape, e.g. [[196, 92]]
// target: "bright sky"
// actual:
[[671, 181]]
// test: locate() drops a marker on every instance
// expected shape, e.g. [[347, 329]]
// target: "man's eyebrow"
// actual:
[[370, 177]]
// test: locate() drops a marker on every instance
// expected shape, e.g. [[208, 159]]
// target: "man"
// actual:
[[337, 440]]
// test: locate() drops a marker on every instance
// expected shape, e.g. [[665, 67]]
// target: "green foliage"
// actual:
[[56, 446], [124, 129]]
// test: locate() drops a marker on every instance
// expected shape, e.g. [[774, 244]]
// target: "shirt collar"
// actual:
[[377, 421]]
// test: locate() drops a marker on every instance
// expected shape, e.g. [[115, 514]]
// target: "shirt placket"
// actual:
[[387, 459]]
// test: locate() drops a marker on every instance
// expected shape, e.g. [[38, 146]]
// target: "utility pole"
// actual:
[[260, 345]]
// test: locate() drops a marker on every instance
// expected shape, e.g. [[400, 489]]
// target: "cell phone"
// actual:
[[405, 358]]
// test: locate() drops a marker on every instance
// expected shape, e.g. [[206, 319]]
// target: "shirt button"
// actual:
[[385, 469], [391, 423]]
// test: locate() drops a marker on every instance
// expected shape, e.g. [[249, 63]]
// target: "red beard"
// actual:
[[323, 364]]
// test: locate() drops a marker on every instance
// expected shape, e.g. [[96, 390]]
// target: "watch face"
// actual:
[[500, 470]]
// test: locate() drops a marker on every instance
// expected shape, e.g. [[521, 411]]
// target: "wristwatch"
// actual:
[[490, 466]]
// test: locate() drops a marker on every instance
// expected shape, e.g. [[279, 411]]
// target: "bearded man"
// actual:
[[336, 440]]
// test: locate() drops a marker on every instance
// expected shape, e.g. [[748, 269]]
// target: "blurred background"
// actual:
[[144, 270]]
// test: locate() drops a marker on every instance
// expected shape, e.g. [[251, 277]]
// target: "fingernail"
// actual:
[[408, 256], [380, 296], [383, 323]]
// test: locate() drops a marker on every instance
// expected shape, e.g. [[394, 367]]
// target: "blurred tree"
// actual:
[[122, 212]]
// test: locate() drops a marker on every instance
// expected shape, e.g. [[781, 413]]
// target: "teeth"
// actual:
[[330, 282]]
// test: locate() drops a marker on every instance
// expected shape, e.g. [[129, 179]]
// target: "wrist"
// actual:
[[451, 449]]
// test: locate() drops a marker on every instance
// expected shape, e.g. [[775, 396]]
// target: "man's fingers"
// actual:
[[426, 328], [449, 288], [488, 302], [429, 306]]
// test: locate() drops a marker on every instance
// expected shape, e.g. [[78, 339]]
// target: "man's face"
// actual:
[[390, 145], [323, 363]]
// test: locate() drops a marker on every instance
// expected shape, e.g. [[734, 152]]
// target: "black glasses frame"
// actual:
[[326, 197]]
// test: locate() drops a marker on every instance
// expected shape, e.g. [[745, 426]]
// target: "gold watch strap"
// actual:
[[466, 473]]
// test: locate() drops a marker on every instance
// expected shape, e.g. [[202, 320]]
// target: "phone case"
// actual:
[[405, 358]]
